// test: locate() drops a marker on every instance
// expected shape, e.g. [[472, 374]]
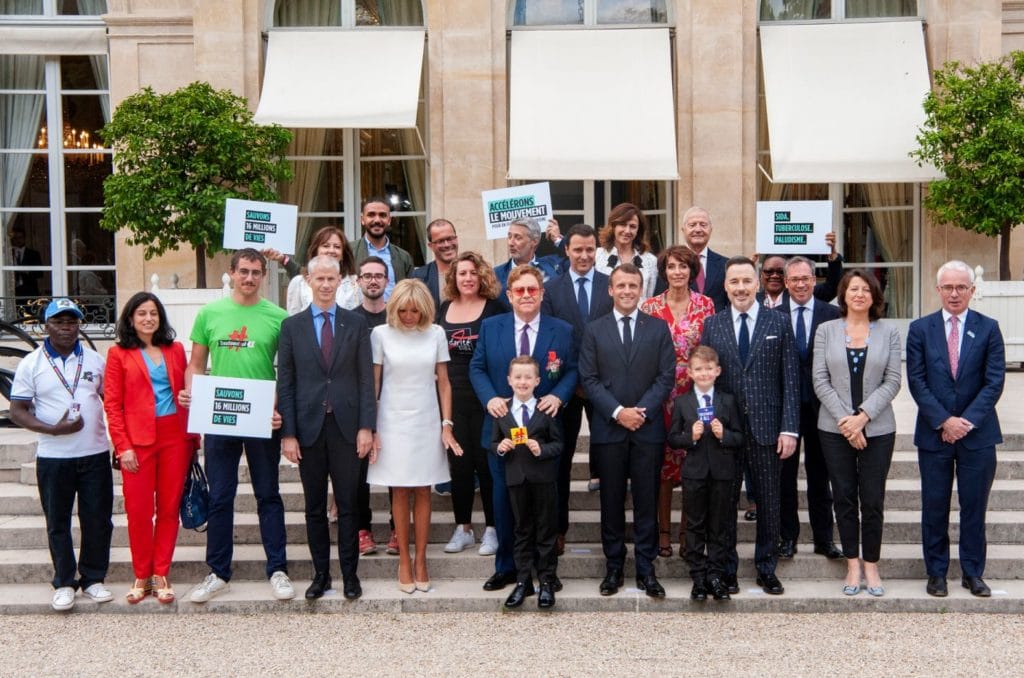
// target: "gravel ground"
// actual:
[[567, 644]]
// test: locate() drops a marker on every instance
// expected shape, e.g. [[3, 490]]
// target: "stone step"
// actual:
[[901, 527], [582, 561], [460, 595]]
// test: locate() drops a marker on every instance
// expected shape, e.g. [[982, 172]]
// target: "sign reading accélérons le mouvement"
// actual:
[[793, 227], [232, 407], [259, 225], [504, 205]]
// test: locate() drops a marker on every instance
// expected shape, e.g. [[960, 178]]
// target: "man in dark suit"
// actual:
[[524, 331], [328, 412], [805, 313], [761, 369], [773, 277], [26, 283], [444, 243], [696, 230], [628, 367], [523, 238], [956, 365], [578, 296]]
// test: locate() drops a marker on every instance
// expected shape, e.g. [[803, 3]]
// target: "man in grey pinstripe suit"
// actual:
[[761, 368]]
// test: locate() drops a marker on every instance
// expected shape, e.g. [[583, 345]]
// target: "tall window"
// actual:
[[878, 224], [588, 12], [52, 166]]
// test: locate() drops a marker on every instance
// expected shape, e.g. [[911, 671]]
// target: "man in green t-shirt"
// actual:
[[238, 334]]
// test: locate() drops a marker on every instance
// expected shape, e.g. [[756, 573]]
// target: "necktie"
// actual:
[[744, 340], [524, 341], [953, 344], [627, 334], [526, 415], [583, 298], [700, 276], [707, 400], [326, 339], [801, 332]]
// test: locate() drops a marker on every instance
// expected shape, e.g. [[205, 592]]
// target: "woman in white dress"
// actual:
[[414, 425], [329, 241], [624, 240]]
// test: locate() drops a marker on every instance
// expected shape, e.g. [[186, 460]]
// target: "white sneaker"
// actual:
[[99, 593], [63, 599], [210, 587], [282, 586], [460, 540], [489, 542]]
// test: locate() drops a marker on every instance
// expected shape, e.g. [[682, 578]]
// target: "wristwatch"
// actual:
[[447, 422]]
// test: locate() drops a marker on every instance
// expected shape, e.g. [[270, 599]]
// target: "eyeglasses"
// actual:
[[445, 241], [525, 291], [800, 279], [959, 289], [769, 272], [373, 276]]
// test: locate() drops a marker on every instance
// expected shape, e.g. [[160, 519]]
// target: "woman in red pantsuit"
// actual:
[[144, 371]]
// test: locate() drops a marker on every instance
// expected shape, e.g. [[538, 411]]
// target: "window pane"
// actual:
[[864, 9], [795, 10], [94, 293], [21, 71], [389, 13], [27, 243], [307, 13], [884, 237], [316, 186], [879, 195], [26, 180], [21, 7], [24, 123], [83, 178], [89, 7], [548, 12], [631, 12], [389, 142], [88, 244], [566, 195], [83, 72], [408, 233], [31, 228], [402, 182]]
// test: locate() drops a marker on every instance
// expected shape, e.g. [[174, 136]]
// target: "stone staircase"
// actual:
[[812, 582]]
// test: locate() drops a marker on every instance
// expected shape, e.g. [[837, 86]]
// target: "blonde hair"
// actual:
[[415, 292]]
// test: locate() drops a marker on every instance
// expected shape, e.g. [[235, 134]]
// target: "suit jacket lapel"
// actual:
[[507, 336], [638, 332], [939, 336], [760, 329], [140, 361], [969, 330], [616, 338], [339, 331], [726, 328]]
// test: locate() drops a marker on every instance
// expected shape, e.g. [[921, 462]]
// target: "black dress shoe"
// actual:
[[321, 583], [787, 548], [499, 580], [699, 591], [976, 586], [731, 584], [611, 583], [770, 584], [556, 584], [546, 597], [651, 586], [352, 588], [750, 515], [717, 589], [829, 550], [519, 594], [937, 587]]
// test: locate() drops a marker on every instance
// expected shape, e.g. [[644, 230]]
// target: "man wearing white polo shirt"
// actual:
[[57, 392]]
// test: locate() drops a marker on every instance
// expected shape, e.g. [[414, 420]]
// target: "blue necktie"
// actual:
[[744, 340], [707, 400], [627, 334], [583, 298], [524, 341], [526, 415], [801, 332]]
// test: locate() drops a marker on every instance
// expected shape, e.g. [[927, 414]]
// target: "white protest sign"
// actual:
[[260, 225], [503, 205], [793, 226], [231, 407]]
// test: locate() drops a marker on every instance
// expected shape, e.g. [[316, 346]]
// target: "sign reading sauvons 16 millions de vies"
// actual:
[[793, 226], [231, 406], [259, 225], [502, 206]]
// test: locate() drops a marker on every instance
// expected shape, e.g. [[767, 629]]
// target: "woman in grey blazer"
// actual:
[[856, 377]]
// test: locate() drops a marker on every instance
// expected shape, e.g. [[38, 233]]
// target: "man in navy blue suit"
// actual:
[[524, 331], [710, 280], [956, 365], [523, 238]]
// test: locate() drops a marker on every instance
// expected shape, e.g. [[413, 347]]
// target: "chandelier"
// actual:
[[75, 140]]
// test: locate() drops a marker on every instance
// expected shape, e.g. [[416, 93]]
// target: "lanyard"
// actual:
[[60, 373]]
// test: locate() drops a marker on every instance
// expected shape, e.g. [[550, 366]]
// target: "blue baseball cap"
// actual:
[[62, 305]]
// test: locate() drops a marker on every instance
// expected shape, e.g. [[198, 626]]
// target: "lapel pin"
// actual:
[[970, 334]]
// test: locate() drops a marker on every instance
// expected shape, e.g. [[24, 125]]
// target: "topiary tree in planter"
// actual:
[[178, 157]]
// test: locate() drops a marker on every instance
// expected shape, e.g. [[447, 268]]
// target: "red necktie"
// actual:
[[700, 277], [953, 344], [326, 339]]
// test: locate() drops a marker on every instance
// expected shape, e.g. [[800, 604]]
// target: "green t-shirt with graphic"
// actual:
[[242, 339]]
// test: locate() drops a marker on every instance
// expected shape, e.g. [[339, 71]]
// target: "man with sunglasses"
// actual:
[[524, 331], [444, 243]]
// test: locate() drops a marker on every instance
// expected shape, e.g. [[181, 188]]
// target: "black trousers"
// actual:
[[765, 468], [330, 457], [709, 511], [819, 493], [468, 421], [858, 480], [572, 421], [534, 506], [640, 463]]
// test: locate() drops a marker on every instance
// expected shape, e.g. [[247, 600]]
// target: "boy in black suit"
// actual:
[[531, 442], [706, 423]]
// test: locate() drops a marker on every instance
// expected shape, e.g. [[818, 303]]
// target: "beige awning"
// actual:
[[591, 104], [844, 101], [42, 40], [342, 79]]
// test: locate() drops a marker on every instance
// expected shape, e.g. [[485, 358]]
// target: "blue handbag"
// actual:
[[195, 500]]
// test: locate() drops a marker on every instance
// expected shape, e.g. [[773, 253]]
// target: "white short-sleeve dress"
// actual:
[[408, 417]]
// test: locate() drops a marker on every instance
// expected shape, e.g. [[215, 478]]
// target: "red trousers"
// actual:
[[158, 485]]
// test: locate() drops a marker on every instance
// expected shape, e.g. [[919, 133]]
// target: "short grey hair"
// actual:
[[793, 261], [531, 225], [694, 210], [323, 261], [954, 265]]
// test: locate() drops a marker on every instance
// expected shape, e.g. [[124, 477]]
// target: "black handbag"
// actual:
[[195, 500]]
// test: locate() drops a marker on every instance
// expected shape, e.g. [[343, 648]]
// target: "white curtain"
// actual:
[[98, 61], [893, 236], [19, 124], [290, 13], [303, 189]]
